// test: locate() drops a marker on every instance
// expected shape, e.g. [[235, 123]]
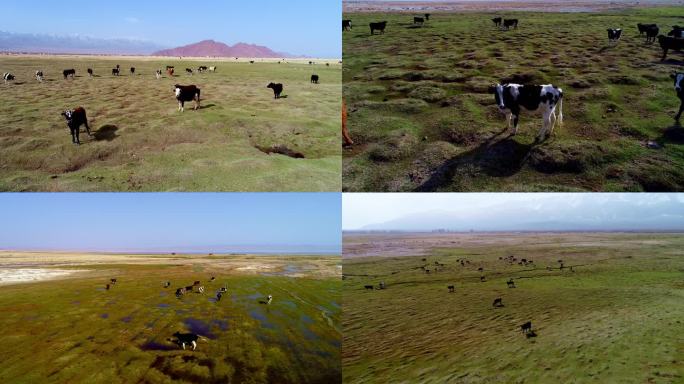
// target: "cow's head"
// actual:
[[68, 114], [497, 90], [270, 85], [177, 90]]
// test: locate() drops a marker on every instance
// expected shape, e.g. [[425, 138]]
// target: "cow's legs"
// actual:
[[194, 345], [664, 54], [87, 127], [681, 109], [181, 106], [515, 124], [545, 125], [183, 345]]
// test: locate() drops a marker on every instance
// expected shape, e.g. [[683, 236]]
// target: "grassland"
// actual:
[[72, 330], [142, 143], [423, 119], [616, 318]]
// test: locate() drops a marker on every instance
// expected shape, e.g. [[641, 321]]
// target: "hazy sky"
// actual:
[[504, 211], [202, 222], [304, 27]]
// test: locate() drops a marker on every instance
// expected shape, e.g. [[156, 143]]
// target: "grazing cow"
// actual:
[[614, 35], [107, 287], [511, 97], [482, 278], [69, 72], [39, 76], [679, 89], [345, 131], [224, 289], [7, 77], [252, 62], [212, 69], [427, 17], [170, 71], [677, 32], [368, 287], [270, 298], [218, 296], [90, 72], [508, 23], [346, 25], [418, 20], [187, 338], [115, 71], [202, 68], [314, 79], [75, 118], [200, 289], [497, 302], [381, 285], [212, 278], [667, 43], [158, 74], [510, 283], [167, 284], [197, 282], [169, 67], [132, 70], [180, 292], [497, 21], [527, 327], [451, 288], [189, 71], [189, 288], [277, 89], [644, 27], [379, 26], [113, 281], [480, 269], [187, 93], [652, 33]]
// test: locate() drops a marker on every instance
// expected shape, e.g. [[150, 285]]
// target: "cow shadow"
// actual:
[[207, 106], [531, 334], [670, 61], [495, 157], [106, 133], [283, 96], [673, 134]]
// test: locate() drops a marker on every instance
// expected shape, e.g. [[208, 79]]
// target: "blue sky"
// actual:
[[304, 27], [161, 222], [513, 211]]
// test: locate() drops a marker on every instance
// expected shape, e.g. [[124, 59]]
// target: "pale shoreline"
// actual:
[[170, 58], [500, 6]]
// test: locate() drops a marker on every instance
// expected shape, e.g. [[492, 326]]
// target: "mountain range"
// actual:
[[217, 49]]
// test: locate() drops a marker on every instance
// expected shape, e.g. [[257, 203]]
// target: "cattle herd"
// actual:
[[465, 263], [511, 98], [196, 287], [76, 117]]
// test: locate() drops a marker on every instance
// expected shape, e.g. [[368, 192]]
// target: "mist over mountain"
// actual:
[[41, 43], [546, 215]]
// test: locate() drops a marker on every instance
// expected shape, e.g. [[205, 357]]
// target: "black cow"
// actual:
[[497, 302], [132, 70], [368, 287], [40, 76], [218, 296], [277, 89], [107, 287], [75, 118], [346, 25], [644, 27], [187, 93], [652, 33], [614, 35], [314, 79], [69, 72], [451, 288], [202, 68], [379, 26], [90, 72], [115, 71], [497, 21], [189, 71], [527, 327], [508, 23], [667, 43], [482, 278], [679, 88], [187, 338], [676, 31], [418, 20], [511, 97], [180, 292], [7, 77], [510, 283], [427, 17]]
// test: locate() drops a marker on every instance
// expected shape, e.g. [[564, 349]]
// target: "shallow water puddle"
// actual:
[[199, 327], [256, 314]]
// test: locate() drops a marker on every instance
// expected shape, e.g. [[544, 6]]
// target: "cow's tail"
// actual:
[[560, 109]]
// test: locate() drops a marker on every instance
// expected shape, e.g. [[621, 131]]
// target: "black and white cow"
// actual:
[[187, 93], [202, 68], [7, 77], [614, 35], [69, 72], [314, 79], [668, 43], [39, 76], [346, 25], [90, 72], [652, 33], [75, 118], [379, 26], [189, 71], [212, 69], [511, 98], [677, 32], [510, 23], [277, 89], [158, 74], [115, 71], [497, 21], [679, 88]]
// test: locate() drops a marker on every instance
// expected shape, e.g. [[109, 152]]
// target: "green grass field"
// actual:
[[75, 331], [423, 119], [618, 318], [142, 143]]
